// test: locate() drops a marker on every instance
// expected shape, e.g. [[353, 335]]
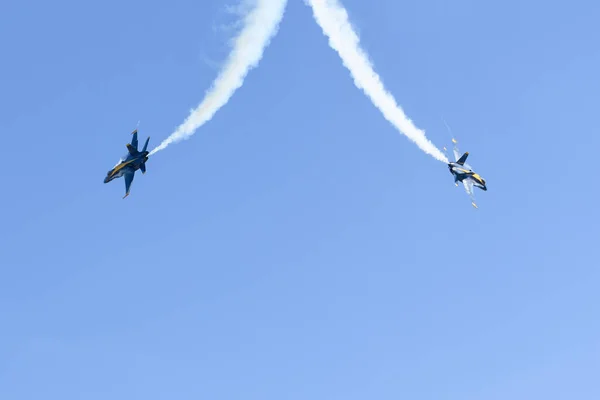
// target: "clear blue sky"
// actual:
[[297, 246]]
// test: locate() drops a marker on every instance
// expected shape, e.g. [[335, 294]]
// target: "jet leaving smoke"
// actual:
[[333, 20], [260, 25]]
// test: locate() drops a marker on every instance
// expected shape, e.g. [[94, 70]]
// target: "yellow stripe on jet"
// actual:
[[120, 167], [479, 178]]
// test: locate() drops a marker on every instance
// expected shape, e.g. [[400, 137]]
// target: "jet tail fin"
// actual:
[[463, 158], [146, 144]]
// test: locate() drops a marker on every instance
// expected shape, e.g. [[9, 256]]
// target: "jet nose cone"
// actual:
[[106, 180]]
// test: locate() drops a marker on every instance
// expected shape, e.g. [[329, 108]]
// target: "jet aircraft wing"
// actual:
[[128, 175], [468, 184], [455, 150], [134, 140]]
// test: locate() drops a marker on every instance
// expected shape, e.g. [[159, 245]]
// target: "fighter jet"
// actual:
[[133, 161], [463, 173]]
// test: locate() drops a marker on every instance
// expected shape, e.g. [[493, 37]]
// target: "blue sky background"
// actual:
[[297, 246]]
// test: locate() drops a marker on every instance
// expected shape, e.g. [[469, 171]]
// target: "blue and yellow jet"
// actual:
[[133, 161], [463, 173]]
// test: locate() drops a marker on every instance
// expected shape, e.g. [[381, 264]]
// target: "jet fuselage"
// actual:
[[461, 173], [131, 162]]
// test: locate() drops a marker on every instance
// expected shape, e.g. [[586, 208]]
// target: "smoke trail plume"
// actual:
[[333, 20], [259, 26]]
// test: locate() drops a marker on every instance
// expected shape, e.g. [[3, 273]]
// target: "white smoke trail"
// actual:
[[333, 20], [260, 25]]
